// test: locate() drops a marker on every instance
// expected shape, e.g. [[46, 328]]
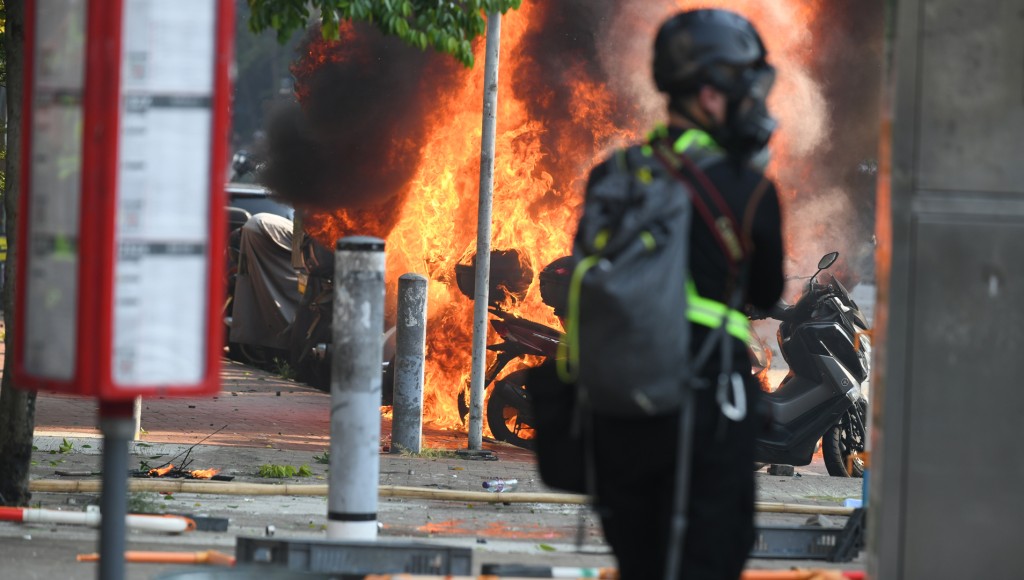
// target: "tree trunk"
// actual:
[[17, 407]]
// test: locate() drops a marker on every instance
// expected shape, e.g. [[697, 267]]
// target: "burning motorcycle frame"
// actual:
[[508, 409]]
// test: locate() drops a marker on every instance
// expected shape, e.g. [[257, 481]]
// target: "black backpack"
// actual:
[[627, 341]]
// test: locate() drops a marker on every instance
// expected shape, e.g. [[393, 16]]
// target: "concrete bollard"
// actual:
[[356, 389], [410, 343]]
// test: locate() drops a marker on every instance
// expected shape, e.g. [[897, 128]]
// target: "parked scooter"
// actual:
[[823, 338]]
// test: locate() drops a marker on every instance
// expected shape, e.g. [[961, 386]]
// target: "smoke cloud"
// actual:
[[355, 142]]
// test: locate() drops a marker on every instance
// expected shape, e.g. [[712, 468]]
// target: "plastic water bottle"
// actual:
[[501, 485]]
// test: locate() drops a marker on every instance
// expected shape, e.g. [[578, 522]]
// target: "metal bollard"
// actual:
[[410, 343], [356, 388]]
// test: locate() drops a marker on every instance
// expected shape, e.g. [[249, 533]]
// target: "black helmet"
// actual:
[[721, 49], [705, 47]]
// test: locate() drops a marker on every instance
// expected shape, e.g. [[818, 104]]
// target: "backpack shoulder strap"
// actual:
[[707, 200]]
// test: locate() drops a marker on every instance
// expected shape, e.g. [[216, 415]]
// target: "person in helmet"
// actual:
[[712, 66]]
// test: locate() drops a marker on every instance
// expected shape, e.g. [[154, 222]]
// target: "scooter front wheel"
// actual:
[[845, 439], [507, 411]]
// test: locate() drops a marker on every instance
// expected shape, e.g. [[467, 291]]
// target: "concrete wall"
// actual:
[[947, 488]]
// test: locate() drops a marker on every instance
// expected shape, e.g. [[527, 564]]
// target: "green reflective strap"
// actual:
[[711, 313], [568, 357], [692, 137], [688, 139]]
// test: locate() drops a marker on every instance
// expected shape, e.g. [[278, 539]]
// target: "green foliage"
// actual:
[[448, 27], [284, 370], [144, 503], [64, 447], [283, 471], [324, 459], [431, 453]]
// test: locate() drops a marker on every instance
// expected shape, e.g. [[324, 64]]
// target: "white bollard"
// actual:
[[356, 388]]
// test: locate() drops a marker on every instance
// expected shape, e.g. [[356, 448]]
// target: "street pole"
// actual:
[[410, 342], [483, 235], [355, 388], [118, 428]]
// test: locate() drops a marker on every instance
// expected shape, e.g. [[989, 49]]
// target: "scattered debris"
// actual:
[[780, 469], [476, 454], [76, 473], [207, 523]]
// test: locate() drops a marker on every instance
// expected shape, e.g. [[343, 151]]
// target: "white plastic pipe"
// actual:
[[150, 523]]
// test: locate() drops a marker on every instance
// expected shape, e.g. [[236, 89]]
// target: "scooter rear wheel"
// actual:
[[844, 439], [506, 413]]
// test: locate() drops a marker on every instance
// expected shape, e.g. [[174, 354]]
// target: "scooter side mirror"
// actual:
[[827, 260]]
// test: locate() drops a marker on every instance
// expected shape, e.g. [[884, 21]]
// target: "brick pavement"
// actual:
[[255, 409]]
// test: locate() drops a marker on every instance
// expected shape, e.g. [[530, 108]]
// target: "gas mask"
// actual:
[[748, 125]]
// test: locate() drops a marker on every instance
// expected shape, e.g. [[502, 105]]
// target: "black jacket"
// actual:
[[761, 221]]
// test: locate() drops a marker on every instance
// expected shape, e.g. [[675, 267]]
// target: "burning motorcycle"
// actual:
[[508, 410], [286, 298], [310, 330], [823, 338]]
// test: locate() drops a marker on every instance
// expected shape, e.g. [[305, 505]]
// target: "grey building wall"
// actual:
[[947, 487]]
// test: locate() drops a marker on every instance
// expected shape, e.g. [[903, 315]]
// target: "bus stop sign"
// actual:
[[121, 228]]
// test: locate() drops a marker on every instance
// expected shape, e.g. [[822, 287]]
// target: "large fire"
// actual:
[[548, 136]]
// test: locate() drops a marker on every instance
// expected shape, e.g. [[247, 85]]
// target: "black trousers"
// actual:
[[635, 462]]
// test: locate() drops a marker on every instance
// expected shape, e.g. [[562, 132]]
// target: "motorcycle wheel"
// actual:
[[844, 438], [504, 410], [254, 355], [315, 373]]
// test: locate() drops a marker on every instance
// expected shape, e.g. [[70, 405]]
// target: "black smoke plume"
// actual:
[[355, 141]]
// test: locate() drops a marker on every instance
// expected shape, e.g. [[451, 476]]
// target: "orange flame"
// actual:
[[433, 227], [160, 472], [203, 473], [762, 377]]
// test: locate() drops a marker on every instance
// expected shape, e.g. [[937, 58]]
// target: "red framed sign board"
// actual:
[[121, 228]]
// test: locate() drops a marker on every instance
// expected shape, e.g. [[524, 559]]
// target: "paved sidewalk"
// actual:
[[260, 418], [255, 409]]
